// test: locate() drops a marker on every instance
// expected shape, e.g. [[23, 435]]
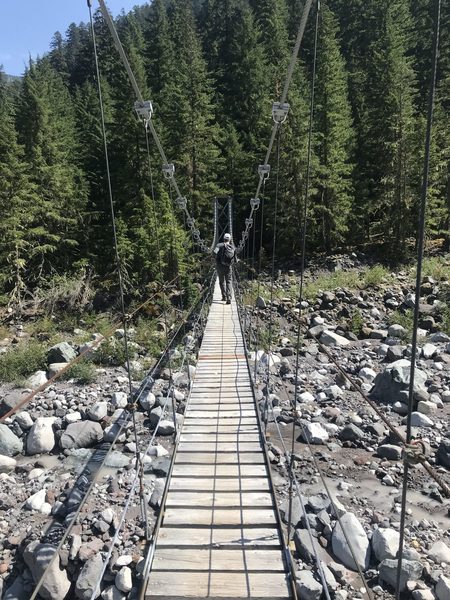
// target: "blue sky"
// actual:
[[27, 26]]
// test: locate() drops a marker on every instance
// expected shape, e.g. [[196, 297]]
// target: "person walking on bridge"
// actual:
[[225, 256]]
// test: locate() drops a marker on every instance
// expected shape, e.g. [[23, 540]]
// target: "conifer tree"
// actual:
[[333, 138]]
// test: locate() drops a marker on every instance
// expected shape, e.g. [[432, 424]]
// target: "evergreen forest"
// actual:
[[212, 69]]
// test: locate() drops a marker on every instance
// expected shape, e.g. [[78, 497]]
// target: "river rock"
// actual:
[[358, 541], [329, 338], [24, 420], [88, 578], [56, 584], [411, 571], [10, 444], [36, 380], [7, 463], [119, 399], [420, 420], [82, 435], [41, 437], [389, 384], [112, 593], [314, 433], [307, 587], [37, 500], [391, 452], [147, 400], [439, 552], [98, 411], [124, 581], [385, 543], [443, 588], [55, 368], [61, 353]]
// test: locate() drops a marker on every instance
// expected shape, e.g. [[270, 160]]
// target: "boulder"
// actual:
[[24, 420], [36, 380], [389, 385], [11, 400], [307, 587], [358, 541], [296, 513], [98, 411], [37, 500], [55, 368], [81, 435], [420, 420], [124, 581], [147, 400], [314, 433], [439, 552], [18, 590], [391, 452], [10, 444], [411, 571], [61, 353], [41, 437], [88, 578], [385, 543], [443, 588], [112, 593], [7, 463], [56, 584], [330, 338]]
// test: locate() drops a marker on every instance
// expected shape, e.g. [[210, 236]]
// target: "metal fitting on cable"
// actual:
[[415, 452], [181, 202], [264, 172], [196, 235], [190, 222], [168, 170], [254, 203], [144, 109], [248, 222], [280, 112]]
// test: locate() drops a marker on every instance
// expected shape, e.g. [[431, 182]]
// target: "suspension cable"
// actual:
[[420, 252], [303, 226]]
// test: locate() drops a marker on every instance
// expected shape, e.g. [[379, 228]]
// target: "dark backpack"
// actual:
[[226, 255]]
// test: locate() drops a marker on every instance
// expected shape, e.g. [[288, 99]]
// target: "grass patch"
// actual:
[[110, 353], [375, 276], [148, 336], [83, 372], [356, 323], [22, 361], [405, 319], [437, 267]]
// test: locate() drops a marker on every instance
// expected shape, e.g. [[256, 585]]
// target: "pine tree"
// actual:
[[333, 138]]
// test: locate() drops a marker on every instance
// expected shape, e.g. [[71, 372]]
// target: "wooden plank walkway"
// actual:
[[219, 537]]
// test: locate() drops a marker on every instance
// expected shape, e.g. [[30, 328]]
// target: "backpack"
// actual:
[[227, 255]]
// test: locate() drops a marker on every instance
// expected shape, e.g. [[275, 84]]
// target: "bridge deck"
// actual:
[[219, 537]]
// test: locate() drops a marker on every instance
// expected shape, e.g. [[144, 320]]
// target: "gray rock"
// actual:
[[391, 452], [429, 350], [24, 420], [358, 541], [147, 400], [420, 420], [10, 400], [385, 543], [395, 379], [98, 411], [41, 437], [303, 545], [260, 302], [423, 594], [443, 453], [36, 380], [88, 578], [10, 444], [112, 593], [55, 368], [439, 552], [56, 584], [297, 511], [119, 399], [351, 433], [166, 427], [443, 588], [157, 494], [395, 353], [161, 466], [61, 353], [82, 435], [319, 502], [124, 581], [7, 463], [18, 590], [307, 587], [314, 433], [330, 338], [411, 571], [396, 331]]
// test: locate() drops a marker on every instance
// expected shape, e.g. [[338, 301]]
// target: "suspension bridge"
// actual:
[[219, 533]]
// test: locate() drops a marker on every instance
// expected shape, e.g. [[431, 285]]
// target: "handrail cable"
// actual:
[[169, 168], [420, 251], [263, 173], [303, 226]]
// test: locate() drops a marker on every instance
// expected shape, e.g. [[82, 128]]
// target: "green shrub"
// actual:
[[375, 275], [22, 361], [83, 372], [110, 353], [405, 319], [356, 323]]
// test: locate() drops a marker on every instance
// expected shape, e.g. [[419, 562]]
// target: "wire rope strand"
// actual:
[[303, 226], [420, 253]]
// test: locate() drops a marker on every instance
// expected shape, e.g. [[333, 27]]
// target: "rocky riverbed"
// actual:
[[53, 448]]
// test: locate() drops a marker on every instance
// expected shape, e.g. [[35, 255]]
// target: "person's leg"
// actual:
[[221, 274], [228, 285]]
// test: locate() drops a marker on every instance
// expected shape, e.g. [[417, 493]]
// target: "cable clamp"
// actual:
[[264, 172], [196, 235], [190, 222], [415, 452], [168, 170], [144, 109], [254, 203], [280, 112], [248, 222], [181, 202], [131, 406]]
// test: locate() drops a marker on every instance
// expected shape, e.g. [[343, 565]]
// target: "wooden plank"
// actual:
[[219, 485], [223, 413], [216, 559], [220, 458], [187, 536], [220, 437], [219, 516], [219, 471], [220, 447], [219, 499], [217, 585]]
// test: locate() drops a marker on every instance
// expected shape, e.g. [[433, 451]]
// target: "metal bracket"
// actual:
[[168, 170], [144, 109], [280, 112], [264, 172], [181, 202], [254, 203]]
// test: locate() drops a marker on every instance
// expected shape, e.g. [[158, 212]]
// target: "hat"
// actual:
[[227, 236]]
